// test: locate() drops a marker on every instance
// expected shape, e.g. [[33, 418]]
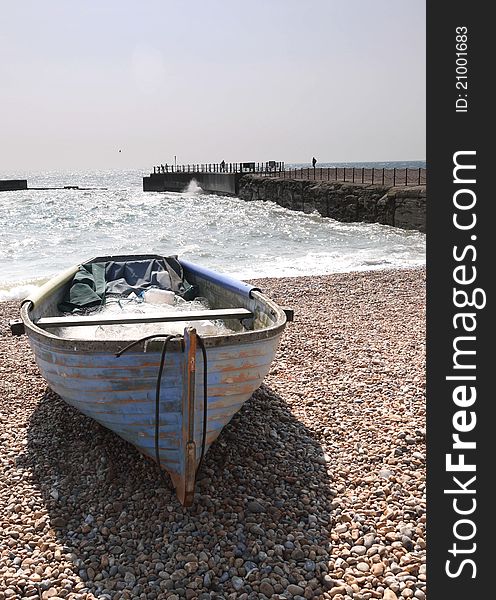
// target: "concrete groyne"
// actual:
[[8, 185], [218, 183], [403, 206]]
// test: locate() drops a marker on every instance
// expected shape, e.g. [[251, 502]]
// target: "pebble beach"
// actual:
[[315, 489]]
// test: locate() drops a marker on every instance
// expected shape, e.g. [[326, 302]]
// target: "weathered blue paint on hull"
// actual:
[[122, 398]]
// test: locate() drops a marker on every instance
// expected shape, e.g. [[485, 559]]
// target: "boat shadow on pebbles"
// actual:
[[259, 522]]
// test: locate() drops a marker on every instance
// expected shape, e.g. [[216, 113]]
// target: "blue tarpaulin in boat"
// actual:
[[95, 280]]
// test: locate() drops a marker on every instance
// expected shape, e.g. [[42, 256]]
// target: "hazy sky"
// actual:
[[342, 80]]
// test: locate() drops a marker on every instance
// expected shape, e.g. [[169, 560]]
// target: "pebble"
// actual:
[[257, 530], [297, 554], [309, 565], [295, 499], [249, 566], [328, 582], [377, 569], [294, 590], [254, 507], [267, 589], [191, 567], [237, 583]]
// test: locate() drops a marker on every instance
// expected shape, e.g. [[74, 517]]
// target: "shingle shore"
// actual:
[[316, 489]]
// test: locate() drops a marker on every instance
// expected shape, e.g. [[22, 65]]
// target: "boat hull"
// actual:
[[120, 392]]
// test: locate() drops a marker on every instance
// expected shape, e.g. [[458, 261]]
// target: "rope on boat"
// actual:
[[167, 339]]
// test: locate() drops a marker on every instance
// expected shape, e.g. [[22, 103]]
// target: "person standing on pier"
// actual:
[[223, 165], [314, 162]]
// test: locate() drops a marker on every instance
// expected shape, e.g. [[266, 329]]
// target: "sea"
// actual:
[[44, 231]]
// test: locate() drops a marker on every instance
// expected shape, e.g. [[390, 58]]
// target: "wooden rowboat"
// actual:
[[169, 397]]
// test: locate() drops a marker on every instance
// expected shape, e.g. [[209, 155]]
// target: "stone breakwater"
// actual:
[[398, 206], [316, 489]]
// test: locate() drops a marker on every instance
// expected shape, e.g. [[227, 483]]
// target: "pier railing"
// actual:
[[391, 177], [374, 176], [269, 167]]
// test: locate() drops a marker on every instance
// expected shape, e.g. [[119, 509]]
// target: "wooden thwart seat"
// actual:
[[195, 315]]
